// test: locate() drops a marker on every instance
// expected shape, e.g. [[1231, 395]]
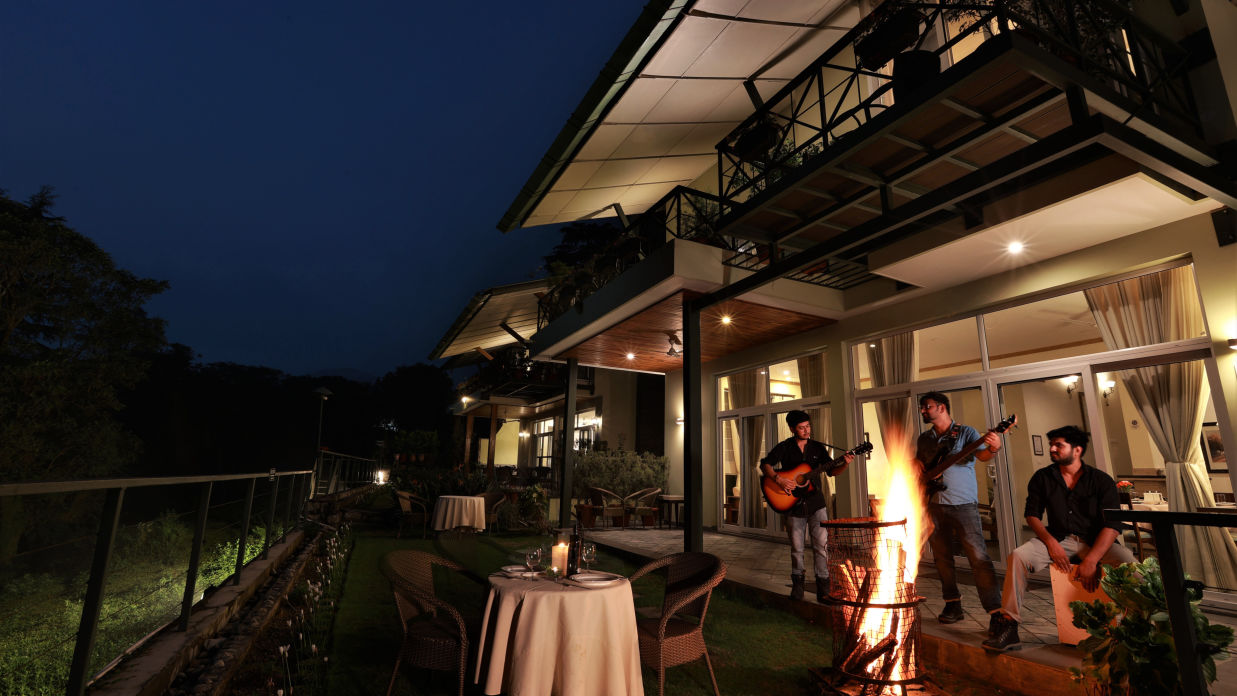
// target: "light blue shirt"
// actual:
[[960, 478]]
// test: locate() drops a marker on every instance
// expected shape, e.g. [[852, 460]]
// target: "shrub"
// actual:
[[620, 471]]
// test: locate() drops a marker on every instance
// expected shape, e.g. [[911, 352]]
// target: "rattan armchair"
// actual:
[[609, 506], [493, 501], [435, 635], [407, 501], [643, 505], [677, 636]]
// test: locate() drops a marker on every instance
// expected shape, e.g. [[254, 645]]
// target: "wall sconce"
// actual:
[[678, 421], [1071, 383], [523, 433], [1107, 385], [1232, 343]]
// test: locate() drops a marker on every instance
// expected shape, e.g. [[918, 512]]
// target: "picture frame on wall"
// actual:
[[1037, 444], [1213, 449]]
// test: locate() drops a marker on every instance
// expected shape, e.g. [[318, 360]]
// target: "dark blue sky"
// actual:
[[319, 182]]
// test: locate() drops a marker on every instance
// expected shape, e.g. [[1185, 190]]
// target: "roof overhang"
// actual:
[[492, 319], [672, 90]]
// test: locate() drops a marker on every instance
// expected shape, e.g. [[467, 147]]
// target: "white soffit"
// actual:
[[1122, 208], [663, 130]]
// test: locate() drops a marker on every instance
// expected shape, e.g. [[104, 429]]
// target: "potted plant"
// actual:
[[1130, 649]]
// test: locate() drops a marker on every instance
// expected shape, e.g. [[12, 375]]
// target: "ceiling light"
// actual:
[[726, 319], [631, 356], [786, 372], [871, 345], [1015, 247]]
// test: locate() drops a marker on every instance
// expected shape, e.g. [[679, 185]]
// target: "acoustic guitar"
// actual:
[[782, 501], [932, 471]]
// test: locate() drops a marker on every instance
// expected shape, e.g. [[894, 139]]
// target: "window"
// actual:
[[586, 427], [543, 442]]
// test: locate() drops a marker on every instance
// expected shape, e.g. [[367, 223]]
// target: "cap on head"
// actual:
[[795, 418]]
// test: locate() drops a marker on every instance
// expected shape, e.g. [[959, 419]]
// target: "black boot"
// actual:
[[1006, 635], [952, 613], [822, 589], [796, 587]]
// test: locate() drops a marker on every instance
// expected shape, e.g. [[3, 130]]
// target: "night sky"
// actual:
[[319, 182]]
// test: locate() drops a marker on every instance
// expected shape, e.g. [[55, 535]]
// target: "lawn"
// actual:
[[755, 649]]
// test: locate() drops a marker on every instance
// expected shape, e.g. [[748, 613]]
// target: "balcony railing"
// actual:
[[847, 87]]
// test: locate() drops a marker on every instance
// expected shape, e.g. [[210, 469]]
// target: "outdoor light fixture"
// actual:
[[465, 400], [726, 319], [871, 345], [1015, 247], [1232, 343], [523, 433], [631, 356], [674, 351], [679, 420]]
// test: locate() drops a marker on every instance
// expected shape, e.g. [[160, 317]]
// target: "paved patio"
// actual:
[[765, 565]]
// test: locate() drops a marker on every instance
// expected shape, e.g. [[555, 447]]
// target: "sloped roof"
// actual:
[[480, 325], [673, 89]]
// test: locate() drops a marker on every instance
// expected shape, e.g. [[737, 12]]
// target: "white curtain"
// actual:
[[753, 443], [894, 360], [1152, 309]]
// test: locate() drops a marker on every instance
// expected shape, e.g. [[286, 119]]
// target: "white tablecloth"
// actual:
[[541, 637], [453, 511]]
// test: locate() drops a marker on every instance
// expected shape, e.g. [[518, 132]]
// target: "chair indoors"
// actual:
[[676, 637], [643, 505], [1135, 536], [407, 501]]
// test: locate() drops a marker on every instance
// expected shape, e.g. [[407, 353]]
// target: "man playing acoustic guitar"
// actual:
[[805, 517], [955, 510]]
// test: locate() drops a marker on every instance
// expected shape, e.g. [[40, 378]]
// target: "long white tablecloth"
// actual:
[[453, 511], [541, 637]]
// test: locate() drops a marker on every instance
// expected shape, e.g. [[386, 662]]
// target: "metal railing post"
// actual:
[[1186, 642], [195, 556], [287, 507], [244, 539], [270, 516], [89, 624]]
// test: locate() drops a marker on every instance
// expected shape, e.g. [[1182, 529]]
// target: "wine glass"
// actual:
[[588, 554], [532, 559]]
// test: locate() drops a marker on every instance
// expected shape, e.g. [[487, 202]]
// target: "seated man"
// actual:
[[1073, 495]]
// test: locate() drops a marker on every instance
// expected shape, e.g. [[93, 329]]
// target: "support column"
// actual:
[[468, 423], [489, 453], [565, 441], [693, 441]]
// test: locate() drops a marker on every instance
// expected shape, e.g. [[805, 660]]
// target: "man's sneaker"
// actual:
[[953, 612], [1006, 636], [995, 620]]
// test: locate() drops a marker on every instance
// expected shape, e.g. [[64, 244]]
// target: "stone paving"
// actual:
[[765, 564]]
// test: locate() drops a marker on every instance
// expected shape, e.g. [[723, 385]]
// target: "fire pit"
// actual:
[[874, 610]]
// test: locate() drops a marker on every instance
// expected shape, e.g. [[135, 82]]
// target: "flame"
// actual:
[[897, 546]]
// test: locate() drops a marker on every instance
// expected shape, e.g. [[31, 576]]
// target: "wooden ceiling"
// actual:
[[646, 335]]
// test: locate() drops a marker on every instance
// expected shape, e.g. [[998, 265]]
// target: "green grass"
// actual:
[[755, 649]]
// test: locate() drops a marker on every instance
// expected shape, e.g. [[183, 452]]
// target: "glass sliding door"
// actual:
[[1042, 405]]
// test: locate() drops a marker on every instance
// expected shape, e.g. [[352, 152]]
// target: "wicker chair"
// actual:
[[643, 505], [406, 502], [493, 501], [435, 635], [677, 636], [609, 506]]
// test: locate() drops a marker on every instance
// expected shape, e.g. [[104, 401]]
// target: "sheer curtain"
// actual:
[[894, 360], [811, 376], [753, 444], [1153, 309]]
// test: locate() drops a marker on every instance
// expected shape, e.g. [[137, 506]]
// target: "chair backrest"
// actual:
[[415, 568], [492, 499], [1225, 498], [643, 497], [690, 579], [602, 497]]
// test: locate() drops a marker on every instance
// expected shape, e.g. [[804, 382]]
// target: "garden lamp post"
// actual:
[[323, 394]]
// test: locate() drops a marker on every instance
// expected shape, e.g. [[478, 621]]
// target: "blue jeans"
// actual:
[[801, 528], [962, 521]]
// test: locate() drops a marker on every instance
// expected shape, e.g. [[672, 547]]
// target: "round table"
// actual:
[[453, 511], [540, 637]]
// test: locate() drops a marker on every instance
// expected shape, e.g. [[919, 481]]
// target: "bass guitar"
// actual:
[[803, 474], [932, 471]]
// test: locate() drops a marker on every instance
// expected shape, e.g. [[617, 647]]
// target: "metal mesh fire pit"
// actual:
[[874, 611]]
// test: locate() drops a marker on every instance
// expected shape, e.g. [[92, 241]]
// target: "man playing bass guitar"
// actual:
[[804, 518], [955, 508]]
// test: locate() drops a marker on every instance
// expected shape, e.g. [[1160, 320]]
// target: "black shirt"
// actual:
[[786, 455], [1076, 511]]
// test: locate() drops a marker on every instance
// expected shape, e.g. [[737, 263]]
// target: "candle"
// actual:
[[558, 557]]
